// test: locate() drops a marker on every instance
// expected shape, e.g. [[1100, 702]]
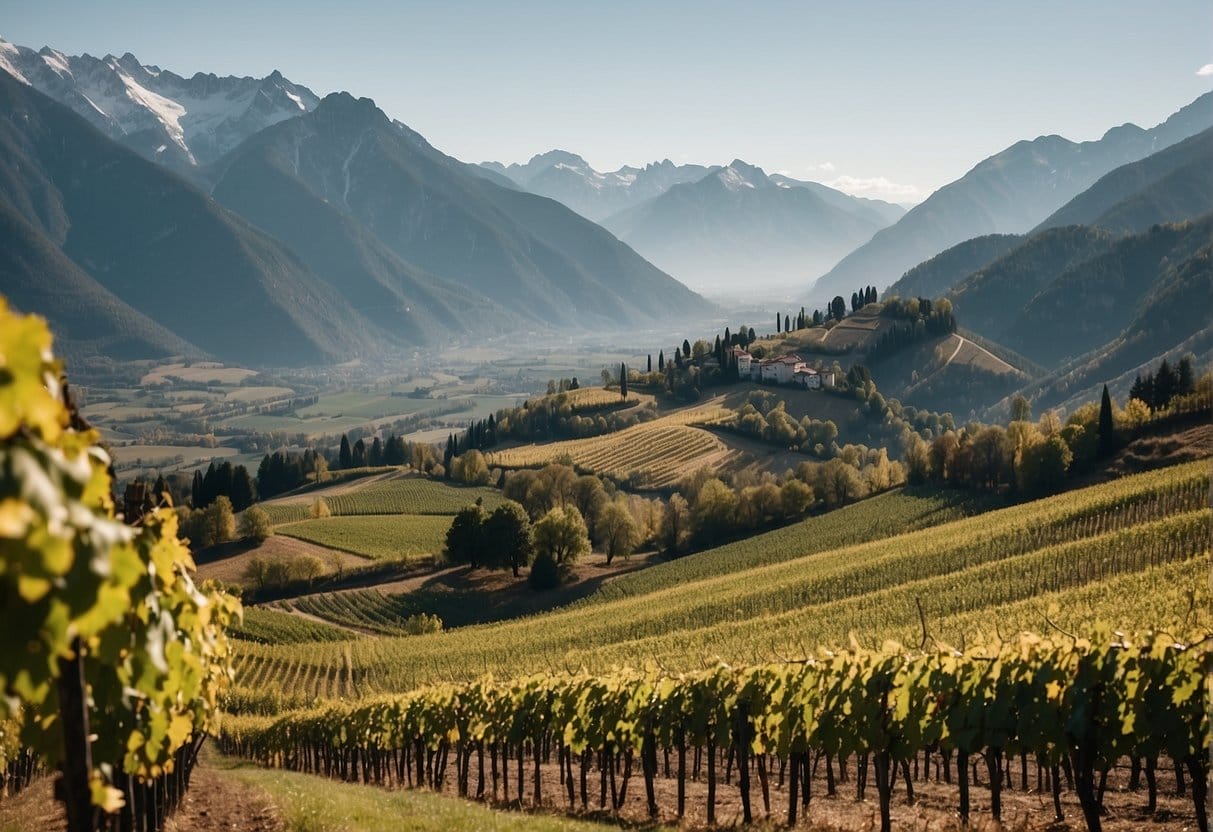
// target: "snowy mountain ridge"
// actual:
[[180, 122]]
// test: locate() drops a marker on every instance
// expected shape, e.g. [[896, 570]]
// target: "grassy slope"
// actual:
[[1001, 559], [313, 804], [381, 537]]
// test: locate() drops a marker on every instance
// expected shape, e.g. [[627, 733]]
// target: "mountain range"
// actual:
[[344, 233], [739, 227], [1009, 193]]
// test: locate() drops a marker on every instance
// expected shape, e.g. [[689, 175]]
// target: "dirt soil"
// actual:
[[934, 806], [214, 803]]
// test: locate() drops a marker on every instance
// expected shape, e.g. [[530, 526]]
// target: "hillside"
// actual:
[[1172, 185], [531, 256], [1092, 301], [738, 226], [161, 246], [987, 300], [1008, 193], [88, 319], [936, 277]]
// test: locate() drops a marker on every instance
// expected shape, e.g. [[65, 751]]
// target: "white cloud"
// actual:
[[821, 167], [1205, 71], [877, 187]]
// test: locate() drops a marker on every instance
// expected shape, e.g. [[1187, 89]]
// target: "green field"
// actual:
[[380, 537], [266, 626], [402, 495], [1128, 551]]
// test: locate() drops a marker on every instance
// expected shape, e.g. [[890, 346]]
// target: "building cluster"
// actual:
[[786, 369]]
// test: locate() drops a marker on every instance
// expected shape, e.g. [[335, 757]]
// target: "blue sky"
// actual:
[[890, 99]]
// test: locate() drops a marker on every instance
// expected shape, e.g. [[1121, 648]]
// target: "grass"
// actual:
[[380, 537], [401, 495], [272, 627], [1145, 531], [312, 804]]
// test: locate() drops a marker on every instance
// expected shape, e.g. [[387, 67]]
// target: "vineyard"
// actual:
[[366, 610], [398, 495], [268, 626], [1064, 708], [1002, 568], [652, 455], [403, 537]]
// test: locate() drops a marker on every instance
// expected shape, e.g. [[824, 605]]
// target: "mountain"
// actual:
[[876, 210], [1008, 193], [738, 227], [1170, 319], [988, 300], [158, 245], [569, 179], [88, 319], [946, 270], [530, 255], [179, 122], [1092, 301], [1171, 185]]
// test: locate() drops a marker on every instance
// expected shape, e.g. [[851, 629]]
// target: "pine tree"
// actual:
[[242, 495], [1165, 384], [345, 458], [375, 456], [1107, 427], [1185, 383]]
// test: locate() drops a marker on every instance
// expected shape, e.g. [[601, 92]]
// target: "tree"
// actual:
[[661, 361], [256, 571], [319, 509], [795, 497], [545, 573], [838, 483], [561, 535], [1107, 425], [590, 498], [990, 458], [242, 489], [1166, 383], [686, 348], [618, 531], [375, 455], [196, 489], [359, 454], [1043, 466], [345, 458], [465, 537], [855, 301], [623, 381], [750, 336], [471, 468], [507, 535], [778, 323], [255, 525], [675, 524], [838, 308], [1021, 408], [650, 365], [1185, 382], [714, 511], [219, 521]]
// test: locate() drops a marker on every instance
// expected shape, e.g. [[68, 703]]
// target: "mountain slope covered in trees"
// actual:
[[1010, 192]]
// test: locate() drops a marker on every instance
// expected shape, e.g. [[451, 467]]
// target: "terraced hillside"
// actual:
[[1131, 552]]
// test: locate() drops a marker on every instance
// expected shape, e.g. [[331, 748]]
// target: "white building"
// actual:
[[782, 370], [807, 378], [743, 360]]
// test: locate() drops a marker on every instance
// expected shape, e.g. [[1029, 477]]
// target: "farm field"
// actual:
[[1128, 551], [168, 455], [654, 454], [393, 495], [403, 537]]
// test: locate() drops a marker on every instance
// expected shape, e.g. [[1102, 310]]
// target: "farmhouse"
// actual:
[[743, 361], [807, 378], [781, 370]]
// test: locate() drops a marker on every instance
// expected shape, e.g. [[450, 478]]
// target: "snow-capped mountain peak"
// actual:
[[182, 122], [738, 175]]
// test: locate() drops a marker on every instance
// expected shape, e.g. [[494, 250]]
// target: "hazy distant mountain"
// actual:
[[876, 210], [1171, 185], [157, 245], [180, 122], [567, 178], [1010, 192], [532, 256], [736, 227]]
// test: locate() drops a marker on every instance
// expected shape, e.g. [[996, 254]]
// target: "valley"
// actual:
[[350, 484]]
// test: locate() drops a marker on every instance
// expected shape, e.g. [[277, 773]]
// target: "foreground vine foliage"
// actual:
[[115, 660], [1072, 705]]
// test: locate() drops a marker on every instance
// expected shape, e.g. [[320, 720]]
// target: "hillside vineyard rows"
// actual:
[[1046, 549], [399, 495], [1064, 704]]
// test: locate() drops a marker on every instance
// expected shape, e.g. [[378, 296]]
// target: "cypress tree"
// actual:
[[650, 364], [196, 487], [686, 349], [750, 337], [623, 380], [345, 459], [1185, 383], [661, 361], [778, 323], [242, 495], [1107, 427], [787, 324]]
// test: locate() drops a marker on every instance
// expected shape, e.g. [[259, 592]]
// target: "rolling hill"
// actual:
[[1010, 192], [937, 276]]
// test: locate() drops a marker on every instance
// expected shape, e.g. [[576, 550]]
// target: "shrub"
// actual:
[[255, 524], [545, 574]]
